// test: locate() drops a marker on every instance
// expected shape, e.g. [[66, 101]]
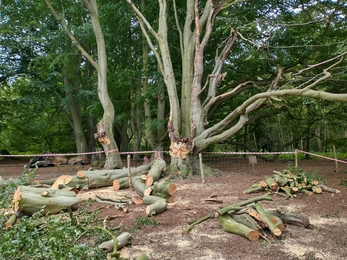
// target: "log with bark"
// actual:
[[29, 200], [290, 183], [86, 180], [155, 204], [250, 219], [230, 225], [123, 239], [164, 189]]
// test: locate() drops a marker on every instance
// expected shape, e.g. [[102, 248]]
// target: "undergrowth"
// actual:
[[66, 235]]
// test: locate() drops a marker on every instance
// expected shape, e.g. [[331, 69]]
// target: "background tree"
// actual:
[[202, 89]]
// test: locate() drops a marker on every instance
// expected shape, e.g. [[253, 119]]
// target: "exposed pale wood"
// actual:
[[149, 180], [246, 220], [158, 207], [137, 200], [140, 187], [30, 200], [317, 190], [274, 229], [121, 183], [273, 185], [290, 218], [157, 169], [256, 215]]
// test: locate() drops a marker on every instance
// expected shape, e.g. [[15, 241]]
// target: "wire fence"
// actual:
[[244, 162]]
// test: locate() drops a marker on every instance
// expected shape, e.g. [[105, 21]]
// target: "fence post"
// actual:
[[129, 171], [296, 158], [336, 163], [201, 169]]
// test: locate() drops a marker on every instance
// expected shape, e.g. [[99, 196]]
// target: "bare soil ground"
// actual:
[[325, 239]]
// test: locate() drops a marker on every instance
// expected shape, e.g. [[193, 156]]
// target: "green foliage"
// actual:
[[7, 191], [309, 177], [142, 222], [63, 236]]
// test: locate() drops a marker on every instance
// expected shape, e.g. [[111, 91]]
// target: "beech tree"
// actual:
[[105, 126], [202, 89]]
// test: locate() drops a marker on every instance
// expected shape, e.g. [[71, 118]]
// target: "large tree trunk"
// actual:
[[30, 200], [108, 142]]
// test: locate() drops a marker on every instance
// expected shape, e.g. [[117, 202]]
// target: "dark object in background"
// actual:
[[8, 155]]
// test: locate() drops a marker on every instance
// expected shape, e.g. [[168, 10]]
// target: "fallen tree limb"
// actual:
[[290, 218], [274, 229], [230, 225], [242, 203], [328, 189], [158, 207], [123, 239], [190, 227]]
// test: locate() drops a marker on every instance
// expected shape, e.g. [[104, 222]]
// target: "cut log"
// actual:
[[113, 201], [137, 200], [157, 169], [251, 211], [31, 200], [122, 183], [158, 207], [246, 220], [80, 181], [273, 185], [105, 178], [164, 189], [230, 225], [187, 229], [277, 221], [282, 181], [274, 229], [306, 192], [150, 199], [123, 239], [140, 187], [317, 190]]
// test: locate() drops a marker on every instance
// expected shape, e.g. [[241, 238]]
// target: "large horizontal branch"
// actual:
[[209, 136]]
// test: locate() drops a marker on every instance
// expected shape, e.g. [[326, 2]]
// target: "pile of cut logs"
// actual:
[[290, 183], [52, 196], [251, 220]]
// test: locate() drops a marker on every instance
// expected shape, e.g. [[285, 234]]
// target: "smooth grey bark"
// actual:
[[112, 158]]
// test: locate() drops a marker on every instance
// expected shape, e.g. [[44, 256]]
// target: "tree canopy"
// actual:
[[214, 74]]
